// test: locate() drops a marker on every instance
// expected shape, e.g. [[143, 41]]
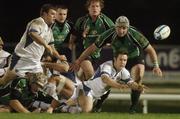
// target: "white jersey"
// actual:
[[27, 48], [29, 52], [95, 87], [3, 61]]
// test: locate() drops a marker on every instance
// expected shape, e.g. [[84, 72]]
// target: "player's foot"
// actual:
[[132, 110], [95, 109]]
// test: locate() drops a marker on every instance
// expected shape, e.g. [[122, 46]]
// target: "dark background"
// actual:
[[146, 15]]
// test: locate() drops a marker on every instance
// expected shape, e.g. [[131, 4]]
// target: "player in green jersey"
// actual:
[[61, 33], [88, 28], [19, 95], [125, 37], [62, 30]]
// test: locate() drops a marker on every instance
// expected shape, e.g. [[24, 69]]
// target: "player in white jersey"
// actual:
[[4, 58], [111, 74], [36, 39]]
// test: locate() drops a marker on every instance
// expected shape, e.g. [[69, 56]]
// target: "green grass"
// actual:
[[103, 115]]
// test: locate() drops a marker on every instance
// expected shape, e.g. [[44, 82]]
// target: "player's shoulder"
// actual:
[[82, 18], [134, 30], [104, 16], [38, 21], [109, 63]]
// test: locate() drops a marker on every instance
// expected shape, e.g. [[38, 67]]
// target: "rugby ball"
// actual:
[[162, 32]]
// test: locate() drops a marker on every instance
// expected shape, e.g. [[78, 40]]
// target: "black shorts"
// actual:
[[133, 61]]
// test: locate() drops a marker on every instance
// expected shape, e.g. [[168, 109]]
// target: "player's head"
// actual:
[[62, 12], [48, 13], [120, 59], [122, 24], [36, 81], [1, 43], [94, 7]]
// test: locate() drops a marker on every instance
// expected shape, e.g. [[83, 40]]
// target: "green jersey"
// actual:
[[92, 29], [133, 42], [61, 32], [20, 90]]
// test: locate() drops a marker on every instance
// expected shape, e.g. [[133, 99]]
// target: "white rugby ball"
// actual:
[[162, 32]]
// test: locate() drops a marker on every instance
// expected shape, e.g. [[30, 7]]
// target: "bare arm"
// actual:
[[61, 67], [75, 66], [39, 40], [87, 52], [152, 53], [110, 82], [16, 105], [57, 55]]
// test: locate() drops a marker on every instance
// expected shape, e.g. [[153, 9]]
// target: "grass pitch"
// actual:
[[104, 115]]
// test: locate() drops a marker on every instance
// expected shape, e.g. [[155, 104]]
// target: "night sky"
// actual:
[[146, 15]]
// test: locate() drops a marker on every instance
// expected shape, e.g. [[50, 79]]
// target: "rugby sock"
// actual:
[[134, 99], [98, 105]]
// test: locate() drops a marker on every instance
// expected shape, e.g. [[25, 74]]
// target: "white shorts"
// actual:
[[22, 65]]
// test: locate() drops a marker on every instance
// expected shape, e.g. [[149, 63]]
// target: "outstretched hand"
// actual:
[[157, 71], [136, 86]]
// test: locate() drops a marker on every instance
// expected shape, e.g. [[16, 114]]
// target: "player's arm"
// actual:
[[75, 66], [87, 52], [112, 83], [16, 105], [152, 53], [39, 40], [60, 67], [57, 55]]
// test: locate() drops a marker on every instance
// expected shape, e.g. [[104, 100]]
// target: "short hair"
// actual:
[[88, 2], [61, 6], [46, 7], [122, 52]]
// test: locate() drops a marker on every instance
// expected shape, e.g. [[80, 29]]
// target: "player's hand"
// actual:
[[136, 86], [75, 66], [157, 71], [62, 58]]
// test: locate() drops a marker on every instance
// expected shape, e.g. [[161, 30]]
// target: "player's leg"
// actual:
[[85, 102], [98, 103], [68, 88], [8, 76], [137, 73], [5, 108], [87, 68]]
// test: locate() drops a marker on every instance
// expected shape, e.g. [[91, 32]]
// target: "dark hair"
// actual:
[[122, 52], [61, 6], [88, 2], [46, 7]]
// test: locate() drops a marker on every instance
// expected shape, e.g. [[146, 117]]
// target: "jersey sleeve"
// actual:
[[105, 37], [108, 22], [139, 38], [78, 27], [35, 26], [106, 69], [17, 87]]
